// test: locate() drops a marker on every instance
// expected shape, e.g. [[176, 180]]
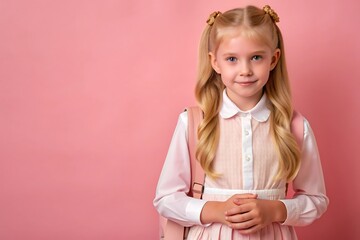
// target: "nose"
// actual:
[[245, 69]]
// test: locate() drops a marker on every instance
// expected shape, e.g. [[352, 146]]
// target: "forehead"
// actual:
[[242, 44], [243, 37]]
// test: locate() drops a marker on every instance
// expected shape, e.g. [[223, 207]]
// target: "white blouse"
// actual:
[[171, 201]]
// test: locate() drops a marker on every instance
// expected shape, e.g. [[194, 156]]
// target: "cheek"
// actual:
[[229, 71], [228, 76], [265, 70], [265, 77]]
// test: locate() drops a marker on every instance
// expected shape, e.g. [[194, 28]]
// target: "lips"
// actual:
[[246, 83]]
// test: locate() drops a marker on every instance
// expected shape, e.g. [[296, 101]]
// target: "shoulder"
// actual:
[[183, 118], [193, 112], [309, 139], [300, 120]]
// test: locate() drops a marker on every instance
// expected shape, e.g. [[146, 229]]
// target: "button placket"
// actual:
[[247, 153]]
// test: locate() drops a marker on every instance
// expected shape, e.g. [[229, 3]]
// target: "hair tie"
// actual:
[[267, 9], [212, 18]]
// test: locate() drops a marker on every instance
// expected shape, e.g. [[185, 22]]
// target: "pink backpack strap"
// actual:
[[195, 116], [174, 231], [297, 128]]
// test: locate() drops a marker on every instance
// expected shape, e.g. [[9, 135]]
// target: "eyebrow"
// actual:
[[259, 52], [253, 53]]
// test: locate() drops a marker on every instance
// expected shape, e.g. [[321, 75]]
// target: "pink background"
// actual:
[[90, 92]]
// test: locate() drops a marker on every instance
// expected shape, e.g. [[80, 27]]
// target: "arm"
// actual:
[[171, 200], [310, 200]]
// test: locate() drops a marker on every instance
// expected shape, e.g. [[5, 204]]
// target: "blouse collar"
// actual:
[[260, 112]]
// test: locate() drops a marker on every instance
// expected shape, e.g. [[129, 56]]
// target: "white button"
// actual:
[[246, 132], [248, 158]]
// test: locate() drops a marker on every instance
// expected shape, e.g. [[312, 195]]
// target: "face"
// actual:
[[244, 65]]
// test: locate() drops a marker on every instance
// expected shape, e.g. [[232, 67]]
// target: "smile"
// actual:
[[247, 83]]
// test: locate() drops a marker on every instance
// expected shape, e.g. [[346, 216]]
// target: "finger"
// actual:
[[239, 218], [238, 210], [246, 226], [239, 201]]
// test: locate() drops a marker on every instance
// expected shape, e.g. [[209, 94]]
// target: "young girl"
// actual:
[[245, 144]]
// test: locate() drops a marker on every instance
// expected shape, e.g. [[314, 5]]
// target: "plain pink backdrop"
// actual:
[[90, 92]]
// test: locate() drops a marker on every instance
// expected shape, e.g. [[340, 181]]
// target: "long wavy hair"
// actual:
[[209, 87]]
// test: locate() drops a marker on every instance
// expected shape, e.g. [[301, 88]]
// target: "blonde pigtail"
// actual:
[[279, 94], [208, 93]]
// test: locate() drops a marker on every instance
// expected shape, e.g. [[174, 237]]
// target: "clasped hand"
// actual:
[[248, 214]]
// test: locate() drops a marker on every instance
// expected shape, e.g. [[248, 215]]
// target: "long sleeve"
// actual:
[[171, 200], [310, 200]]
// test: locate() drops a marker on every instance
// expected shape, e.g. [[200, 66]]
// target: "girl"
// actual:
[[245, 144]]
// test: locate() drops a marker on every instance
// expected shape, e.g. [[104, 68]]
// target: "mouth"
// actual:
[[246, 83]]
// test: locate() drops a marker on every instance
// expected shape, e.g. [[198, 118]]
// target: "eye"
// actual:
[[256, 58], [231, 59]]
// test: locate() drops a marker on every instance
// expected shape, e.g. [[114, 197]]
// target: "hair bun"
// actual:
[[267, 9], [212, 18]]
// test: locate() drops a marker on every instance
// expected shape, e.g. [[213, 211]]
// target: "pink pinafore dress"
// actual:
[[247, 161]]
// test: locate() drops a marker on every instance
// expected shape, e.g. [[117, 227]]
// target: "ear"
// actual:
[[275, 58], [214, 63]]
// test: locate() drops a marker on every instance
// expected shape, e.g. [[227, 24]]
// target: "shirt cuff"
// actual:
[[193, 210], [292, 210]]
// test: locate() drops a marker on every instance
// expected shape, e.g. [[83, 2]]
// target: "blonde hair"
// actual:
[[209, 87]]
